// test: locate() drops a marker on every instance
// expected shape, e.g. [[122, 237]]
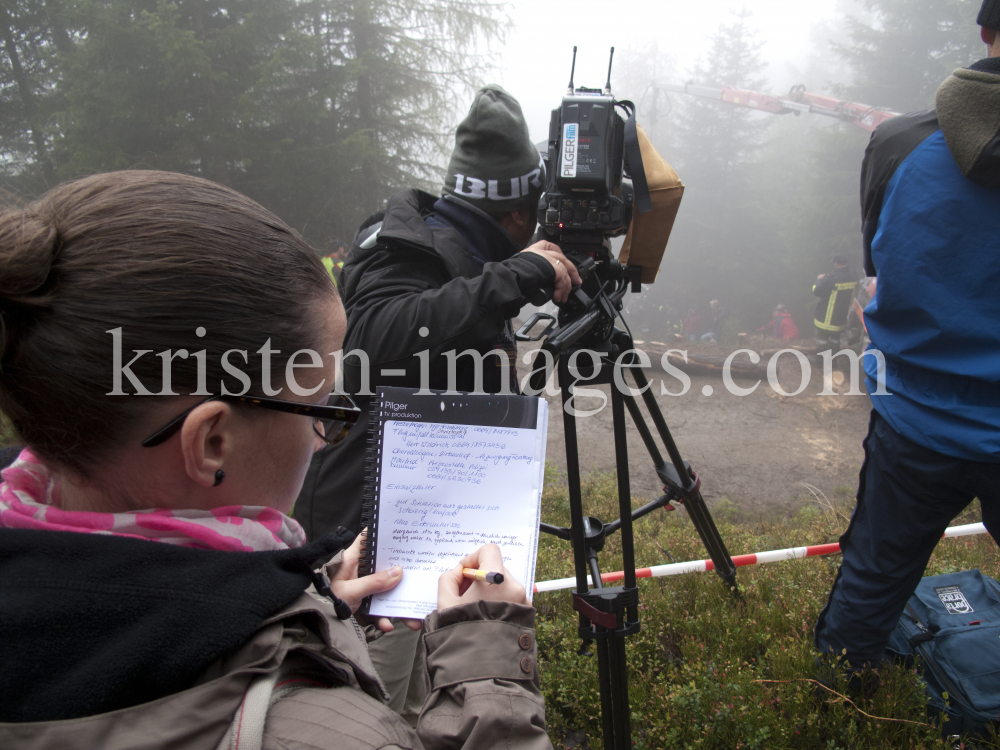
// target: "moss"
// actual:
[[698, 666]]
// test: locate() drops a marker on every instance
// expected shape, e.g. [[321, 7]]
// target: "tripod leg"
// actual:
[[658, 420], [616, 647], [624, 495], [644, 433], [622, 737], [694, 503], [710, 537], [626, 712], [607, 704], [573, 480]]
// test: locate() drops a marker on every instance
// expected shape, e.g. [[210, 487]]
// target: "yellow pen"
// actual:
[[482, 575]]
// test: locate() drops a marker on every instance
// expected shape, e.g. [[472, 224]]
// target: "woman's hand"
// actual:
[[455, 589], [348, 587]]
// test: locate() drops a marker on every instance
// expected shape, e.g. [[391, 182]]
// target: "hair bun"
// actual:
[[28, 247]]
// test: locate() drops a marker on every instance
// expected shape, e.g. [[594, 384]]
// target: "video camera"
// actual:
[[588, 195], [593, 158]]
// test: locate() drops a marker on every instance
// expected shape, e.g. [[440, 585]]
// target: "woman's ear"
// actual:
[[206, 441]]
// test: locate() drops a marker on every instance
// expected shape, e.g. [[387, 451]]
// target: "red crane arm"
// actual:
[[796, 101]]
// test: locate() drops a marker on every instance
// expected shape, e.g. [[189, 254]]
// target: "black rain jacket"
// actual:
[[400, 276]]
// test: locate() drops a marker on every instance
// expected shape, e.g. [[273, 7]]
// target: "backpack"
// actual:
[[952, 623]]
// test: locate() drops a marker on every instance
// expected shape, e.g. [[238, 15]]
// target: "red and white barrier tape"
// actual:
[[699, 566]]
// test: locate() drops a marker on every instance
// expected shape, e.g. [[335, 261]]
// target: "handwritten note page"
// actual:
[[448, 489]]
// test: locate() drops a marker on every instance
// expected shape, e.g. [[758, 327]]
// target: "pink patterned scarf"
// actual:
[[30, 498]]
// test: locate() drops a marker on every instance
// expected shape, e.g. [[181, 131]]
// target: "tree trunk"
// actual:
[[28, 100], [217, 167], [361, 31]]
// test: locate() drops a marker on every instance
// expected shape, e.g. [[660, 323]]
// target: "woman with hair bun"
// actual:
[[154, 592]]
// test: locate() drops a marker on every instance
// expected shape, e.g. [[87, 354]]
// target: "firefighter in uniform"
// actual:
[[835, 291]]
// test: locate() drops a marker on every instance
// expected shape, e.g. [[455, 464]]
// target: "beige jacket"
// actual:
[[481, 663]]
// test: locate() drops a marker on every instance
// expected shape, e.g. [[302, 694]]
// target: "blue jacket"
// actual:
[[930, 192]]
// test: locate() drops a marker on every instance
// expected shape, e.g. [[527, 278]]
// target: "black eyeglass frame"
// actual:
[[349, 415]]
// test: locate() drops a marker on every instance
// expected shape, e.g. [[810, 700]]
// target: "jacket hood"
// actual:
[[968, 110], [93, 623], [402, 225]]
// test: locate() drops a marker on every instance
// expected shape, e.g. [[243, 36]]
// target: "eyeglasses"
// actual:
[[331, 420]]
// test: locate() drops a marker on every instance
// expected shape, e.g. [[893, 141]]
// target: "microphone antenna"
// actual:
[[607, 86], [572, 70]]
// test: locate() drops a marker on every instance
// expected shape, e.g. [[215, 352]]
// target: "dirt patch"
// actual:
[[768, 454]]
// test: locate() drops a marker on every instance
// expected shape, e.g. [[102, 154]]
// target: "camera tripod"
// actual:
[[609, 614]]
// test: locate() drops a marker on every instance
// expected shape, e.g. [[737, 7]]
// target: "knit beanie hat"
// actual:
[[495, 166], [989, 14]]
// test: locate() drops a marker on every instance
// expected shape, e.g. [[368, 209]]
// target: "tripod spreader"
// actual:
[[560, 531], [663, 501]]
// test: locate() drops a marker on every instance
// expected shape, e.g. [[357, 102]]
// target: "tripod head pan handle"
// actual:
[[523, 333]]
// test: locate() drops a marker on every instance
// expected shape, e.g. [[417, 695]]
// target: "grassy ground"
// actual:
[[706, 673]]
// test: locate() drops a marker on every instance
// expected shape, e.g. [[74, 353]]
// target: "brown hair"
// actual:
[[158, 255]]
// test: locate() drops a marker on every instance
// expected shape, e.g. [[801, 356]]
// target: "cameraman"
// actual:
[[429, 276]]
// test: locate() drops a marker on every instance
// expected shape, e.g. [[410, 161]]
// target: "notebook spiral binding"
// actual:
[[373, 466]]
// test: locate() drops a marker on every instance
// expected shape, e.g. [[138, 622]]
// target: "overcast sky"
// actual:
[[535, 60]]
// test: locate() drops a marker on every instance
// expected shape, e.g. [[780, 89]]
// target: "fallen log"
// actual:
[[768, 353], [702, 363], [707, 364]]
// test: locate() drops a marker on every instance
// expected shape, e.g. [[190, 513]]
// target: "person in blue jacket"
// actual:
[[930, 195]]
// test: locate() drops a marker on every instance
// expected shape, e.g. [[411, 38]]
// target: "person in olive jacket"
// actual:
[[154, 593]]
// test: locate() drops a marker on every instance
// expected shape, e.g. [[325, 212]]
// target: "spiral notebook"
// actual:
[[446, 474]]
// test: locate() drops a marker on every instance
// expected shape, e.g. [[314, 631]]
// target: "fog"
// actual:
[[769, 199], [320, 111], [535, 60]]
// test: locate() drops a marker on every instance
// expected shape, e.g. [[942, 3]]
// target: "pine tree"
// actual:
[[719, 140], [30, 32], [636, 73], [819, 214], [900, 59], [718, 237], [318, 109]]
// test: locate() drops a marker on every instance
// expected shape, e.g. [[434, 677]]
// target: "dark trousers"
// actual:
[[907, 496], [827, 340]]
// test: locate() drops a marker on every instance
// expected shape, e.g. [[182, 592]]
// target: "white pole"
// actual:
[[699, 566]]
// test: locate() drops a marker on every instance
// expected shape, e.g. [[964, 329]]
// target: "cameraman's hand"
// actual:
[[347, 586], [566, 274], [455, 589]]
